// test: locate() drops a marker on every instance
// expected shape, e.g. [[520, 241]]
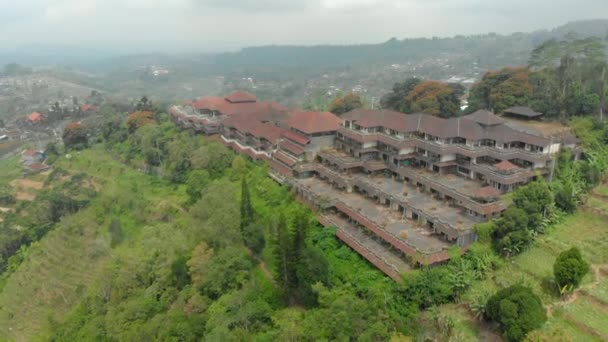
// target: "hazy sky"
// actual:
[[212, 25]]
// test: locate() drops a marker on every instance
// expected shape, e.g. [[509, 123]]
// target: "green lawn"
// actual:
[[597, 203]]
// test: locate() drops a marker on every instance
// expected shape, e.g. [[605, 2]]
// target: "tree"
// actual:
[[227, 270], [396, 100], [499, 90], [284, 269], [436, 98], [213, 157], [247, 214], [346, 103], [75, 135], [518, 311], [570, 268], [511, 234], [195, 184], [198, 264], [139, 119], [253, 236], [144, 104], [536, 199], [152, 143]]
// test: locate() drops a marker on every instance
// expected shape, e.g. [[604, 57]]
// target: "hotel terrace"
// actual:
[[401, 189]]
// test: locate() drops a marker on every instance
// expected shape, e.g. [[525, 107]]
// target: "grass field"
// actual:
[[601, 190], [584, 316], [10, 169]]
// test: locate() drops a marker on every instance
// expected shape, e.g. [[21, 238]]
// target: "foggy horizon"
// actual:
[[188, 26]]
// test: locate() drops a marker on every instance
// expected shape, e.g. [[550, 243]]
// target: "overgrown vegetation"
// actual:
[[564, 79]]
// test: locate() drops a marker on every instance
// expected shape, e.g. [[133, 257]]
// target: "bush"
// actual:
[[570, 268], [518, 311], [511, 234]]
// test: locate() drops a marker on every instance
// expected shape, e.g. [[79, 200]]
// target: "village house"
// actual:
[[35, 118], [30, 156]]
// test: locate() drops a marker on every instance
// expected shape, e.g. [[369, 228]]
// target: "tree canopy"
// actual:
[[75, 135], [499, 90], [570, 268], [518, 311], [345, 103]]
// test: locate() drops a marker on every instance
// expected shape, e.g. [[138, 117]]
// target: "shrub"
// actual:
[[570, 268], [518, 311]]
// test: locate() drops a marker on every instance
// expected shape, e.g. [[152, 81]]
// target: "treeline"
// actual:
[[432, 97], [563, 79]]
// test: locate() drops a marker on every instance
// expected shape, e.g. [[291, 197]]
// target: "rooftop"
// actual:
[[383, 217], [310, 122], [522, 111], [476, 126], [35, 117], [241, 97]]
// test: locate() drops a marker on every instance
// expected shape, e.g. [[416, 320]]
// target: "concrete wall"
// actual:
[[317, 144]]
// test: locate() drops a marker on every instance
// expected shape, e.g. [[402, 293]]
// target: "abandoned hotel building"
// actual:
[[400, 188]]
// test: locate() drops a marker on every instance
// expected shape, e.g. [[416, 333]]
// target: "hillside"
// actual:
[[580, 316]]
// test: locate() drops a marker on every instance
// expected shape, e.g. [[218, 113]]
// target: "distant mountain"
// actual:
[[487, 50]]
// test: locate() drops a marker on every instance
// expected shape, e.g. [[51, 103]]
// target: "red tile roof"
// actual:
[[210, 103], [244, 124], [280, 168], [38, 166], [35, 117], [291, 147], [285, 159], [29, 152], [506, 165], [314, 122], [295, 137], [88, 108], [240, 97], [486, 192]]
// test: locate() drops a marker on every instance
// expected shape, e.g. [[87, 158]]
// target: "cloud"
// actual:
[[256, 5], [203, 25]]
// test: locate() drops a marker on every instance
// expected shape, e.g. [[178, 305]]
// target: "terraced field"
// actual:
[[583, 316], [53, 277], [58, 270]]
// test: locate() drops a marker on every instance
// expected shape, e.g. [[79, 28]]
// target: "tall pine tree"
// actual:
[[247, 214], [285, 267]]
